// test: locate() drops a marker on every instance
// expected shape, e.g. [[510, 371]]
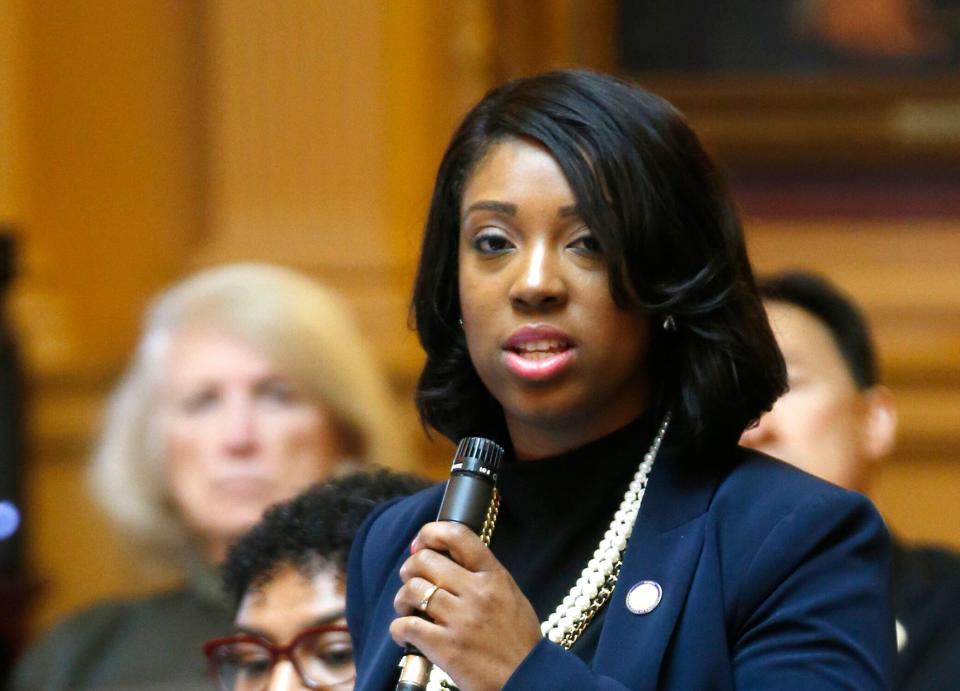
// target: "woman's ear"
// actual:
[[880, 429]]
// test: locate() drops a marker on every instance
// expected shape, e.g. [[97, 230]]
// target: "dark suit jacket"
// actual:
[[926, 590], [771, 578]]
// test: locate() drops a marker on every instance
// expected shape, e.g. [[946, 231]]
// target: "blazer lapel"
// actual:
[[378, 667], [665, 547]]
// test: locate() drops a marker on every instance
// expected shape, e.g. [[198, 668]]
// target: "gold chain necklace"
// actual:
[[490, 520]]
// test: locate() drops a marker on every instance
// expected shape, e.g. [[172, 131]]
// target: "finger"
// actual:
[[426, 635], [463, 545], [418, 596], [436, 568]]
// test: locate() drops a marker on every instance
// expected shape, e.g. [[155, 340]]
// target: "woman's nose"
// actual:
[[285, 678], [239, 431], [539, 283]]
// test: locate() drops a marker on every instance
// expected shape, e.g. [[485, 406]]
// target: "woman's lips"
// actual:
[[241, 486], [538, 353]]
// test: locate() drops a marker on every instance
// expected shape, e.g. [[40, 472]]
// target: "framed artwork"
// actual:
[[769, 81]]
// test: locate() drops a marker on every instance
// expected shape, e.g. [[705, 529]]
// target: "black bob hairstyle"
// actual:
[[825, 302], [312, 531], [667, 228]]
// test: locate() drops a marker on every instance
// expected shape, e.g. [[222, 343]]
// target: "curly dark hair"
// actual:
[[667, 226], [313, 530]]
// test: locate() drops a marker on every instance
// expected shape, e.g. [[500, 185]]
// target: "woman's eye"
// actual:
[[199, 401], [277, 392], [337, 656], [247, 664], [586, 244], [326, 655], [491, 243], [254, 669]]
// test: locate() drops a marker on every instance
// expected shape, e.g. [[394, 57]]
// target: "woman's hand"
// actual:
[[482, 626]]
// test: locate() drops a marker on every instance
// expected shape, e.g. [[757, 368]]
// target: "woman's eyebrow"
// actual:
[[511, 209], [500, 207], [329, 618], [322, 620], [240, 630]]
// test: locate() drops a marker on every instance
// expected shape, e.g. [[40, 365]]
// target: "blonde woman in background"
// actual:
[[250, 383]]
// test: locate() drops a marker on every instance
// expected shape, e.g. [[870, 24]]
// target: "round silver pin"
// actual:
[[644, 597]]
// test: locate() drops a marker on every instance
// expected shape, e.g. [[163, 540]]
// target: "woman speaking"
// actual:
[[584, 298]]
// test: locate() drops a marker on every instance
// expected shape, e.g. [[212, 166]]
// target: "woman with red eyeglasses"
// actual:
[[287, 577]]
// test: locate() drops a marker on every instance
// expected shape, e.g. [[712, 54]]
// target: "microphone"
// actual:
[[467, 500]]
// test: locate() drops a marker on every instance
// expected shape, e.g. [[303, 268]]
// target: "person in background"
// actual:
[[839, 422], [286, 578], [250, 383]]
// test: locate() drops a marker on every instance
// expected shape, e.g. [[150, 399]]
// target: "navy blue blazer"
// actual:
[[771, 579]]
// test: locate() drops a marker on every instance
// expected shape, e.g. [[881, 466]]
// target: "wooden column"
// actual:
[[107, 193]]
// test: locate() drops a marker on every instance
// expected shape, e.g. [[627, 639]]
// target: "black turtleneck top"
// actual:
[[554, 512]]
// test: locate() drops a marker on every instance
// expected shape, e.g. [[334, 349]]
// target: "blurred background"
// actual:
[[140, 140]]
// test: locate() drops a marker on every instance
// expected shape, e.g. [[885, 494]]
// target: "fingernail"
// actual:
[[414, 545]]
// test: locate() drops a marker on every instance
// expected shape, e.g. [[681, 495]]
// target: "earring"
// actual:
[[669, 323], [460, 320]]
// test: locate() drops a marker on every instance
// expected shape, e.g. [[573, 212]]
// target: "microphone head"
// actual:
[[478, 456]]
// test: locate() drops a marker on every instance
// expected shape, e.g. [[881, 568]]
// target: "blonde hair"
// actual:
[[301, 326]]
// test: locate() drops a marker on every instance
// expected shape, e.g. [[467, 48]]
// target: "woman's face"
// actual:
[[289, 602], [543, 331], [239, 436]]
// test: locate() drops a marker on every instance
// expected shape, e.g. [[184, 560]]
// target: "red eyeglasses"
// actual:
[[322, 656]]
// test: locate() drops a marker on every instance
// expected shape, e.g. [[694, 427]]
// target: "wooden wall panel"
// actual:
[[920, 498], [109, 201], [297, 115], [115, 187], [537, 35], [13, 163]]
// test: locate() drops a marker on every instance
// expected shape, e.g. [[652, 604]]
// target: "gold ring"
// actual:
[[425, 602]]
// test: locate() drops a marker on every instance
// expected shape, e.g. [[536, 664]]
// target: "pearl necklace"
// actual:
[[597, 580]]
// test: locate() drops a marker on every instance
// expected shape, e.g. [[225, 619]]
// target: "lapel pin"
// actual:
[[644, 597]]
